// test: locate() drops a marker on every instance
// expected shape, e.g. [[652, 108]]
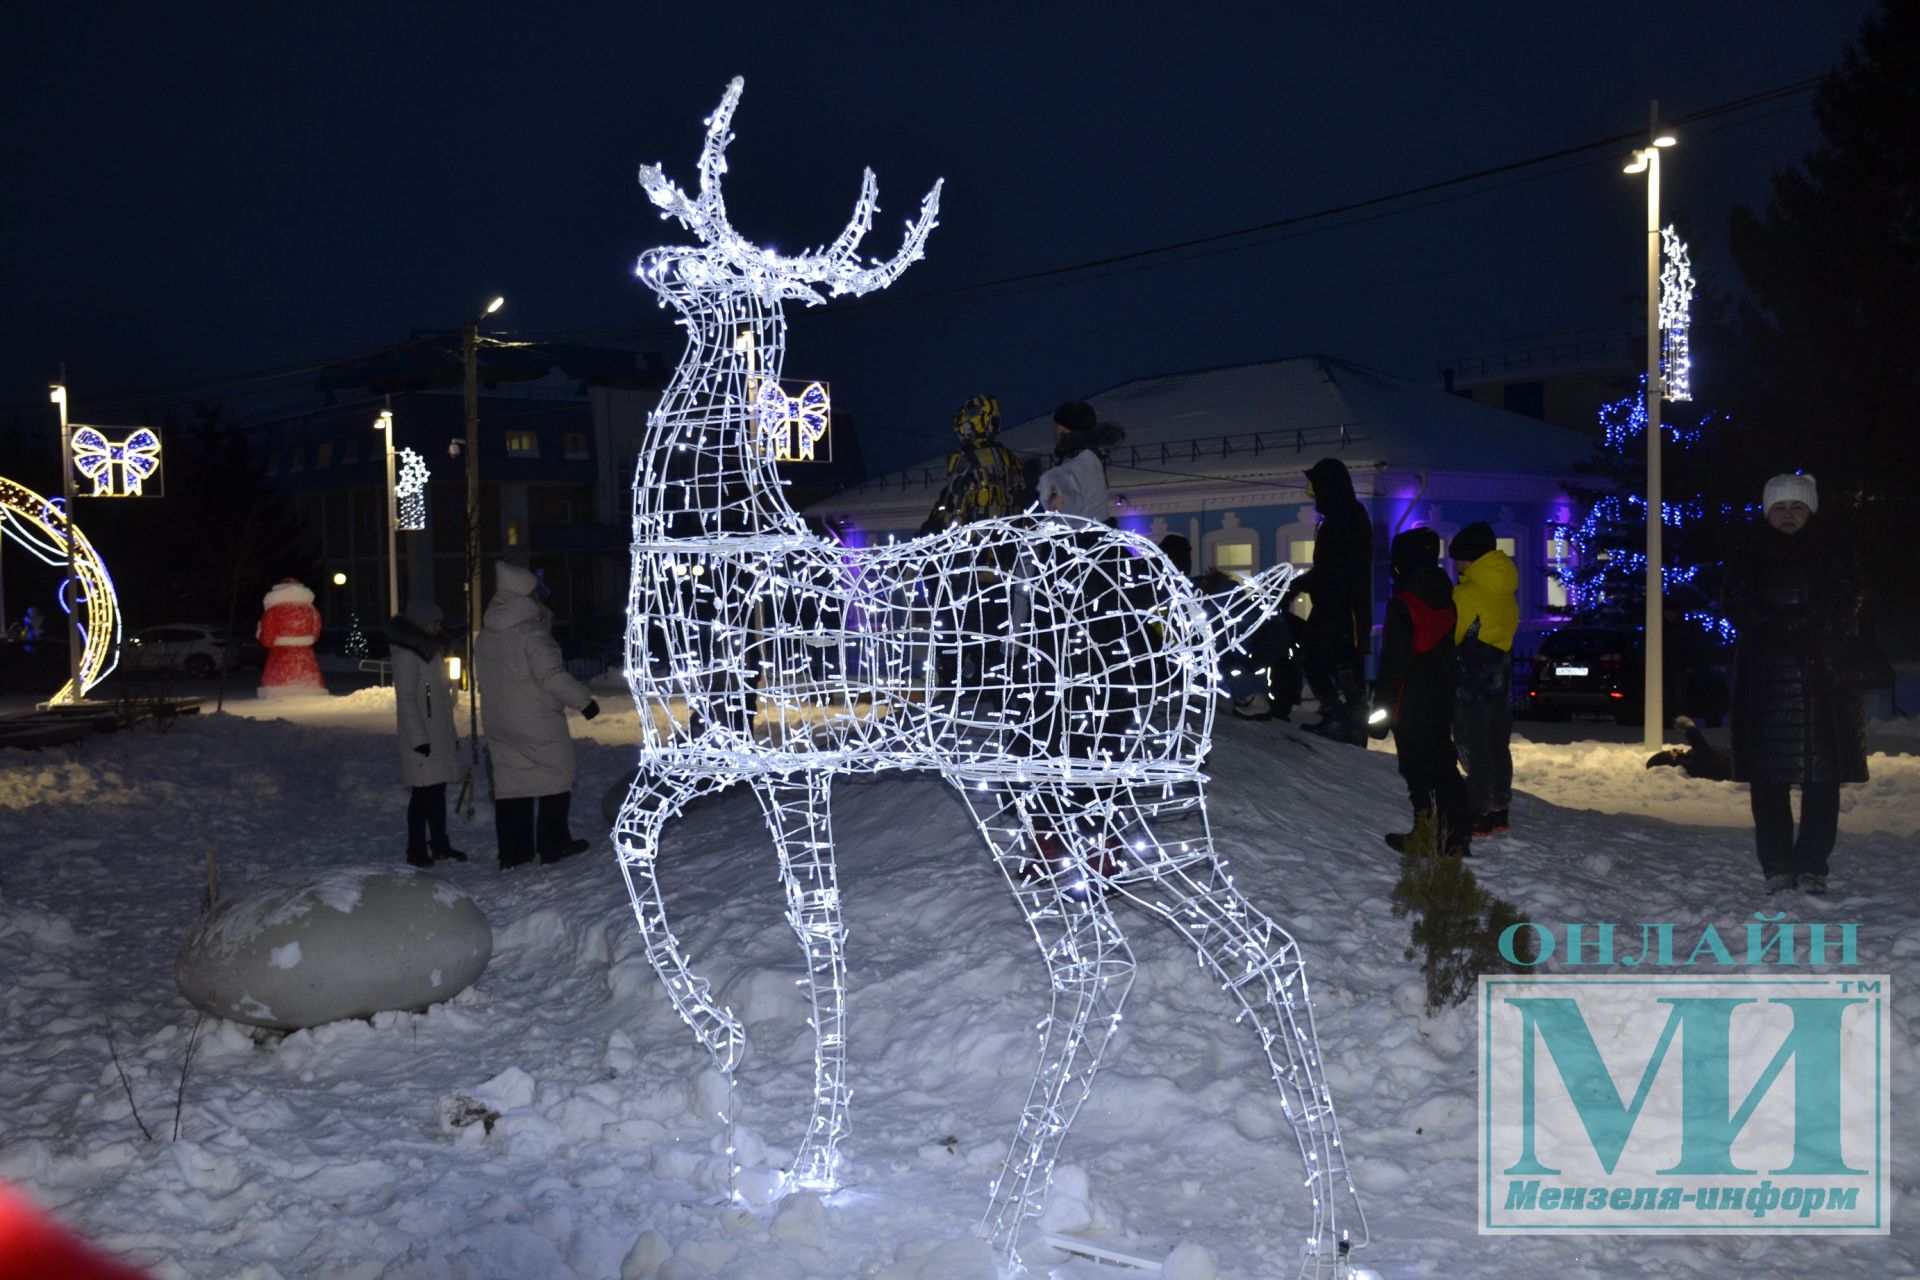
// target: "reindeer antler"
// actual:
[[838, 266]]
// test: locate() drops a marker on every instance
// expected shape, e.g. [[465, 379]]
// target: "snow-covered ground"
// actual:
[[329, 1153]]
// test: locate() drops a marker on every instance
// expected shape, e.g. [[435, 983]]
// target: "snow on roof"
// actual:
[[1273, 418]]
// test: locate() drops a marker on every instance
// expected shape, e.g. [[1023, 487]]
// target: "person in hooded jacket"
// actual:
[[1414, 695], [1076, 483], [429, 745], [1486, 606], [984, 478], [1793, 591], [1338, 633], [524, 695]]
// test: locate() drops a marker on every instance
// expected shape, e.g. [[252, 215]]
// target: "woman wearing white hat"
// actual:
[[1794, 593]]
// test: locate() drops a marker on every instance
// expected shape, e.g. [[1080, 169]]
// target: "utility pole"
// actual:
[[469, 349], [384, 424]]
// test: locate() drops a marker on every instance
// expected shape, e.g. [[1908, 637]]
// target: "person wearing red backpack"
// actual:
[[1413, 697]]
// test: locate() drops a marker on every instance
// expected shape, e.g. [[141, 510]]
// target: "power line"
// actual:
[[1212, 244]]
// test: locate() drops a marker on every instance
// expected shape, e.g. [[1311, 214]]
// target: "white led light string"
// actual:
[[410, 491], [1060, 674], [1676, 316]]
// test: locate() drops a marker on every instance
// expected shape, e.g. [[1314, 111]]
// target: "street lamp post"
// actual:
[[384, 425], [469, 350], [1647, 160], [58, 394]]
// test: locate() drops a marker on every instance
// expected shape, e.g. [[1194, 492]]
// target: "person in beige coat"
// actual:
[[423, 714], [524, 695]]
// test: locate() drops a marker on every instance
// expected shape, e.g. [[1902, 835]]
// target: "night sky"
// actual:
[[198, 193]]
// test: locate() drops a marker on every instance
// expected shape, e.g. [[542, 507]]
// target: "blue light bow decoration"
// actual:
[[117, 470]]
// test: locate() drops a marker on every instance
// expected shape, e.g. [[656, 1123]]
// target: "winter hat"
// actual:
[[514, 580], [978, 420], [1414, 548], [1179, 550], [1075, 415], [1793, 488], [422, 613], [286, 591], [1472, 542]]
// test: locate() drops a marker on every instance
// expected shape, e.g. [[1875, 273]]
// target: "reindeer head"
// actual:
[[728, 264]]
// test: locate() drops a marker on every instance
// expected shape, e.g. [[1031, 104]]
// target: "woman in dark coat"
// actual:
[[1794, 594]]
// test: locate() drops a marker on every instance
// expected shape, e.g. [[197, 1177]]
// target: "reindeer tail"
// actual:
[[1244, 606]]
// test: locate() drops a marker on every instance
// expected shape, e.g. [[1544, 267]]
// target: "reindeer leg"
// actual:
[[798, 814], [651, 801], [1091, 968], [1260, 967]]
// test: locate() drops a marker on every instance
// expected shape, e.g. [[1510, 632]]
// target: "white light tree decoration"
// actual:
[[794, 658], [410, 491], [1676, 316], [40, 525]]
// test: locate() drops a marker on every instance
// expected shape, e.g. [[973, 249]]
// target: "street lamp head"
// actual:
[[1639, 164], [385, 421], [498, 303], [1664, 136], [339, 579]]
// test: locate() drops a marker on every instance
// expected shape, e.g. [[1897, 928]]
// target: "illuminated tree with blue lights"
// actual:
[[1606, 581]]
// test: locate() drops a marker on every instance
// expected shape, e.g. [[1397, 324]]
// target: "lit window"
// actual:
[[523, 444], [1235, 558], [513, 533], [575, 444], [1559, 560], [1300, 552], [1508, 546]]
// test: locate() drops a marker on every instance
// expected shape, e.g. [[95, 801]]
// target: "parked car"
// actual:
[[198, 648], [1599, 670]]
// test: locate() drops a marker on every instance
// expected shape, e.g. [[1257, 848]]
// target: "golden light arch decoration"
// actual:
[[40, 525]]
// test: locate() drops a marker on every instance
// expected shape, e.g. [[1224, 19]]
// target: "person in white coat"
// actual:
[[1076, 483], [429, 746], [524, 695]]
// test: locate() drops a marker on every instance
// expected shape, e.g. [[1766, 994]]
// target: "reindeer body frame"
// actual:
[[790, 658]]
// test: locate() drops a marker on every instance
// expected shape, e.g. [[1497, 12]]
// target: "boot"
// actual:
[[419, 858], [565, 851]]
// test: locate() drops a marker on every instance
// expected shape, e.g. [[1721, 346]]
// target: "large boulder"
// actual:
[[293, 951]]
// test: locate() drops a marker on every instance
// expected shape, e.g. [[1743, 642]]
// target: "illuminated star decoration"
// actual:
[[132, 461], [1676, 316], [792, 425], [1059, 674], [410, 491], [40, 525]]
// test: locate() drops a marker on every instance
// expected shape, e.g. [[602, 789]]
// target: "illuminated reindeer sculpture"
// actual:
[[790, 658]]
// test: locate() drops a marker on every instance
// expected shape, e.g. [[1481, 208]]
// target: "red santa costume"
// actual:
[[288, 629]]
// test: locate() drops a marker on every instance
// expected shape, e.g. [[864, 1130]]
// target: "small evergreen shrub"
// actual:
[[1456, 924]]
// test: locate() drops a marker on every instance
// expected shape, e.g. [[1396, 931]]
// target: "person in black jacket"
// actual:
[[1414, 694], [1339, 631], [1794, 594]]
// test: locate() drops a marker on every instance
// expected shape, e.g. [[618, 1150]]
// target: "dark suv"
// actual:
[[1592, 669]]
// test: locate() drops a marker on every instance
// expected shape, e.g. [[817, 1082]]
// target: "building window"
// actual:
[[299, 462], [513, 532], [1300, 553], [323, 455], [273, 463], [1559, 560], [575, 444], [350, 451], [523, 444]]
